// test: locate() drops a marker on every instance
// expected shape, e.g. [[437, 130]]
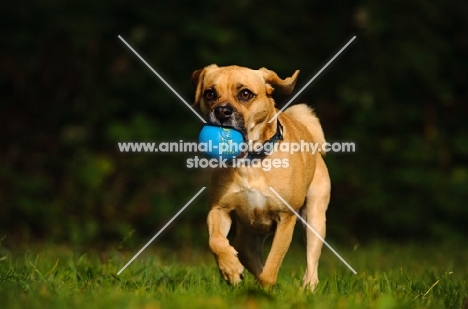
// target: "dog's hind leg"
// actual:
[[318, 197], [250, 248]]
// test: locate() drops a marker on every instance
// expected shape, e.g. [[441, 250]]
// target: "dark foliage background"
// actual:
[[70, 90]]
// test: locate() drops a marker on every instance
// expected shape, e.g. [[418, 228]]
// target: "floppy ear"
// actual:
[[197, 77], [197, 82], [286, 85]]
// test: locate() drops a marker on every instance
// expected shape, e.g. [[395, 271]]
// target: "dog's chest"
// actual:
[[256, 201], [255, 212], [254, 207], [252, 189]]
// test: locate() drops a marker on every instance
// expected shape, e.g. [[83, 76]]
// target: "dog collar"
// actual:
[[263, 153]]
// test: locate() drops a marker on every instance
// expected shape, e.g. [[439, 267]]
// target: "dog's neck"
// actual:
[[274, 138], [262, 129]]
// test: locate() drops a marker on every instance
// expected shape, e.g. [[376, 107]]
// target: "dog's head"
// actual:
[[239, 97]]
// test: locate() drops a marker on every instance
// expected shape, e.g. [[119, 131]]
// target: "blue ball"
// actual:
[[220, 142]]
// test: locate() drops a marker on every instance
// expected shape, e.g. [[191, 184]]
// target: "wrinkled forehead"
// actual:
[[234, 77]]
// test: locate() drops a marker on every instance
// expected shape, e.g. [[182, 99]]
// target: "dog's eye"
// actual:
[[245, 95], [209, 95]]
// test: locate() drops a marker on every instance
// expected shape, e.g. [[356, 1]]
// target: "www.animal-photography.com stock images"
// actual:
[[243, 154]]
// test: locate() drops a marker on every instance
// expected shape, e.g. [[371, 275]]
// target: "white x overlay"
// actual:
[[201, 190], [161, 230], [162, 79], [313, 230]]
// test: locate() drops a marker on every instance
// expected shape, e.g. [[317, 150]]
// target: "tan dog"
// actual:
[[241, 98]]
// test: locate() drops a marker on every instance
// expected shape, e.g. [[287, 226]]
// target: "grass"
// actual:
[[389, 276]]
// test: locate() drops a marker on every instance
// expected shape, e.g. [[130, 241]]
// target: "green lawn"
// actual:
[[389, 276]]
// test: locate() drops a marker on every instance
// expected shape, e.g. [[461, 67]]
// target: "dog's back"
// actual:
[[306, 115]]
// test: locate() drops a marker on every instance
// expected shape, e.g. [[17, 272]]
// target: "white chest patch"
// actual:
[[255, 199]]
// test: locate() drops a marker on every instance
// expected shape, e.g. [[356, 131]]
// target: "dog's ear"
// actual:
[[197, 78], [286, 85], [197, 82]]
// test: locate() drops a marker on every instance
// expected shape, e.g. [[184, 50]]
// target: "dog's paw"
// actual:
[[230, 267], [310, 282], [265, 280]]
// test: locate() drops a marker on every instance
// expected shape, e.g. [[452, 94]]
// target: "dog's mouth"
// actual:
[[242, 155], [227, 116], [235, 121]]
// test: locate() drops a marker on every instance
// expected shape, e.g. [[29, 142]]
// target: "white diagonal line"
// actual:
[[313, 230], [163, 228], [162, 79], [310, 81]]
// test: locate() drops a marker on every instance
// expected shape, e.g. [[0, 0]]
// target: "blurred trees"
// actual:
[[70, 90]]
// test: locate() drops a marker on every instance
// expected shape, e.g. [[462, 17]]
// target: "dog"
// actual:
[[241, 98]]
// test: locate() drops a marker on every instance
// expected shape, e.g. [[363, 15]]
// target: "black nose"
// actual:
[[223, 112]]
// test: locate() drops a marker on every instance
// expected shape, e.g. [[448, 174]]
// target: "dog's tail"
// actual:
[[306, 115]]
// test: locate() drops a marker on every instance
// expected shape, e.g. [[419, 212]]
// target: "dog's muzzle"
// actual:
[[225, 115], [223, 112]]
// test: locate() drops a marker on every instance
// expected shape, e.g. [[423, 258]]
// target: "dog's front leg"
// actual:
[[279, 247], [219, 224]]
